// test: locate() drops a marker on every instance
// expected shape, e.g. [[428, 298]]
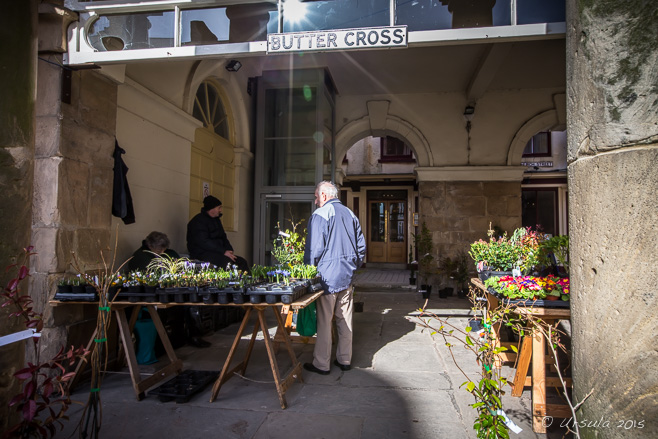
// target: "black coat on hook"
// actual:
[[122, 201]]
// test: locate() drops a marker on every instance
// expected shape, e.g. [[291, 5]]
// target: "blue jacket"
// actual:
[[335, 244]]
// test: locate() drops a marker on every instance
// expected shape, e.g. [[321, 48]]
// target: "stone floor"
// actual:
[[403, 383]]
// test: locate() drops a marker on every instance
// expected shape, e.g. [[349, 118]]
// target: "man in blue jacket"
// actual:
[[336, 246]]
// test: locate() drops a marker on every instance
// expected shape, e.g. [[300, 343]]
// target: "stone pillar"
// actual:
[[612, 74], [18, 29], [72, 192]]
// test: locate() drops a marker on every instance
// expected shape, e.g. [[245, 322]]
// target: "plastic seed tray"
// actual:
[[275, 293], [530, 302], [132, 297], [76, 297], [184, 385]]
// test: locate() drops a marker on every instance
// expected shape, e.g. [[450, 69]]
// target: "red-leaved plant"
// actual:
[[44, 398]]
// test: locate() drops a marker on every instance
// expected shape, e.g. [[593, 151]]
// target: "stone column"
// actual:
[[18, 28], [613, 215]]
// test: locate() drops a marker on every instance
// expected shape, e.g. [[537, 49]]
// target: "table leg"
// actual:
[[173, 368], [538, 382], [525, 356], [131, 326], [226, 374], [287, 340]]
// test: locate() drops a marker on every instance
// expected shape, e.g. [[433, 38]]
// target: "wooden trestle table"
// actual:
[[175, 365], [533, 350]]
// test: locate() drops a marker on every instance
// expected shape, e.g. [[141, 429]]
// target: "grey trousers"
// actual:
[[328, 306]]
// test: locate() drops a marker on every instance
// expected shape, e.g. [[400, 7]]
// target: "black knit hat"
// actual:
[[211, 202]]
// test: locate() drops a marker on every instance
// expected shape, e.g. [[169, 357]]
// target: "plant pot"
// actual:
[[486, 274], [63, 288], [444, 293], [412, 281], [549, 297], [358, 306], [78, 289], [426, 294], [427, 288]]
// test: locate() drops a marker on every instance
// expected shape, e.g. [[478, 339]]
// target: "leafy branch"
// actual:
[[45, 390]]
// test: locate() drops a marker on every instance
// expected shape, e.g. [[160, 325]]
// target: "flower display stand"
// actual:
[[532, 352]]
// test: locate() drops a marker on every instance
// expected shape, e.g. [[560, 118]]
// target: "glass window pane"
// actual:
[[546, 211], [334, 14], [282, 213], [289, 162], [204, 26], [452, 14], [132, 31], [502, 13], [539, 209], [290, 112], [540, 11], [209, 109], [423, 14]]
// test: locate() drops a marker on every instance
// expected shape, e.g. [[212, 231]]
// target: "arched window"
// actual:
[[209, 109], [212, 167]]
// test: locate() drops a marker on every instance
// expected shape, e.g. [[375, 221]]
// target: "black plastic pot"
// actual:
[[486, 274], [444, 293]]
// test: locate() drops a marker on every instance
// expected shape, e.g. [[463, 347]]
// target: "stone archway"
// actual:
[[380, 123], [548, 120]]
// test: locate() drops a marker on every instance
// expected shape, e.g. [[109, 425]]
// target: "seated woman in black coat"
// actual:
[[155, 242]]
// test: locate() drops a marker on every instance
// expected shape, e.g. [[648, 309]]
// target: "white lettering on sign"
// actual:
[[365, 38], [538, 164]]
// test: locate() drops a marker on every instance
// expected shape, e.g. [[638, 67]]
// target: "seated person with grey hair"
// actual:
[[155, 242]]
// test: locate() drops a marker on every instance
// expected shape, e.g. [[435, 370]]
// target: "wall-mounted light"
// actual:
[[469, 111], [233, 65]]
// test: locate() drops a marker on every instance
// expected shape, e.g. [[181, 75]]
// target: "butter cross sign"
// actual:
[[342, 39]]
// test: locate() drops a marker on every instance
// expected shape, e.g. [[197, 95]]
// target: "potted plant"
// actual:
[[554, 252], [456, 268], [500, 255]]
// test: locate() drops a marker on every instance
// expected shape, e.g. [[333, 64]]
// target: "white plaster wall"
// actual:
[[157, 137]]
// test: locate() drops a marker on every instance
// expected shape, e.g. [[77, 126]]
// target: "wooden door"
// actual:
[[387, 231]]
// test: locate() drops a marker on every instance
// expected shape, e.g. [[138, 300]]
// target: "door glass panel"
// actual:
[[289, 162], [377, 222], [281, 213], [396, 221]]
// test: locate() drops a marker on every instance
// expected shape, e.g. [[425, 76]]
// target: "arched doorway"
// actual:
[[379, 186]]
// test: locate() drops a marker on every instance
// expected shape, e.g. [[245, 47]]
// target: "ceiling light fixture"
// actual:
[[469, 111]]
